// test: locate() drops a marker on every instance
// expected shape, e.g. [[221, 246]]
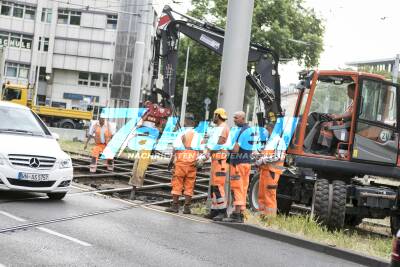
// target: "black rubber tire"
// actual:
[[253, 192], [284, 205], [352, 220], [338, 209], [56, 196], [67, 124], [320, 201], [394, 224]]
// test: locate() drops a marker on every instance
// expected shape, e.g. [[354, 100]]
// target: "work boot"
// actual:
[[132, 196], [221, 215], [110, 165], [211, 214], [92, 168], [186, 209], [234, 218], [174, 208]]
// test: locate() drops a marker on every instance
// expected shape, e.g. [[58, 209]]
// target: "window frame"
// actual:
[[47, 15], [112, 18], [18, 7], [30, 8], [359, 104], [6, 4]]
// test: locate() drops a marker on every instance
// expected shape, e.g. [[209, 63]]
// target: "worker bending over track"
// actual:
[[102, 132], [184, 176]]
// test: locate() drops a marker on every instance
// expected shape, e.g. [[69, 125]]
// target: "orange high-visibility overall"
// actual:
[[185, 167], [99, 147], [219, 167], [268, 184], [239, 176]]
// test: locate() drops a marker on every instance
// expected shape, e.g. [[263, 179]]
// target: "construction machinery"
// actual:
[[52, 116], [338, 184]]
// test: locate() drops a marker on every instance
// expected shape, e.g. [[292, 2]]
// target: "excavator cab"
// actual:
[[369, 131]]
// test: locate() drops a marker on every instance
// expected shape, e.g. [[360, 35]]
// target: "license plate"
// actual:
[[37, 177]]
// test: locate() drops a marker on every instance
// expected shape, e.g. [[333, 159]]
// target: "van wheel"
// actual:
[[56, 196]]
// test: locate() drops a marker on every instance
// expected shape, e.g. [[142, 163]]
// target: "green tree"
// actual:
[[278, 24]]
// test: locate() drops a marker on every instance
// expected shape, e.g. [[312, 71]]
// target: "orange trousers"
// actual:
[[97, 150], [219, 168], [184, 179], [268, 184], [239, 177]]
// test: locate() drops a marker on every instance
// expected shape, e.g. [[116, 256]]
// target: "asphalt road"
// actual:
[[140, 236]]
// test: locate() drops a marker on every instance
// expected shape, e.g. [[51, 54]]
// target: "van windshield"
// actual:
[[21, 121]]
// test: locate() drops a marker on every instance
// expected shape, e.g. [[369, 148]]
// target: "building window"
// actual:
[[69, 17], [26, 42], [93, 79], [15, 40], [11, 70], [112, 21], [4, 38], [23, 71], [75, 18], [17, 70], [29, 12], [47, 14], [62, 17], [6, 8], [18, 11], [45, 42], [83, 78]]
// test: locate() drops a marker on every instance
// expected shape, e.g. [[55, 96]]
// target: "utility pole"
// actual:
[[395, 72], [185, 90], [235, 56], [138, 57]]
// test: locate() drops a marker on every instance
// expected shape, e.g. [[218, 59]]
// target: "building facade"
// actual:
[[65, 47]]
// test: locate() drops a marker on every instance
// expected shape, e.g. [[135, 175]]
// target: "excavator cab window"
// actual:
[[11, 94], [330, 98]]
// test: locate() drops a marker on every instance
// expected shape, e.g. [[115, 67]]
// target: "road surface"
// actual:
[[139, 236]]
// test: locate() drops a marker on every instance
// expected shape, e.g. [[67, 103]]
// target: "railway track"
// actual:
[[157, 186]]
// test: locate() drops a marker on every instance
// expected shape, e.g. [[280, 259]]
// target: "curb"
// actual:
[[311, 245]]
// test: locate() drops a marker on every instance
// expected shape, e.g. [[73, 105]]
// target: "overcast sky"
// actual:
[[355, 30]]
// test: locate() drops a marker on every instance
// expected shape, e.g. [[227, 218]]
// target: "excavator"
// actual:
[[355, 178]]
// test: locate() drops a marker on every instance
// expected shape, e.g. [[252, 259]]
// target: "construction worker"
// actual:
[[219, 166], [102, 132], [239, 171], [271, 168], [184, 176], [154, 117]]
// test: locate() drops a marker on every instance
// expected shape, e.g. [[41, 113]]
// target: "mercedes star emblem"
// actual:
[[34, 163]]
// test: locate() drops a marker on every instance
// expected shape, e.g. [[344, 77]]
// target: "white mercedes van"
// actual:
[[30, 157]]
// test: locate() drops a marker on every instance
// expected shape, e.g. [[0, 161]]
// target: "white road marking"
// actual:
[[43, 229], [12, 216], [64, 236]]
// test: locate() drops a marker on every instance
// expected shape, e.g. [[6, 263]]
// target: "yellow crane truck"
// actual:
[[52, 116]]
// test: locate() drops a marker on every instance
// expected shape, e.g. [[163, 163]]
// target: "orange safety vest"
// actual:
[[187, 156], [97, 134]]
